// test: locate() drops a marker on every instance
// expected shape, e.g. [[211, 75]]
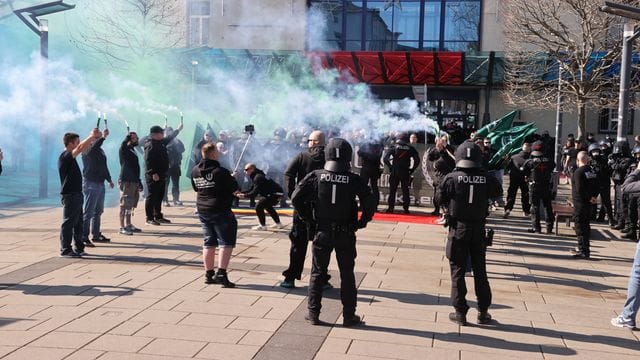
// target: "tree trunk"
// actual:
[[582, 120]]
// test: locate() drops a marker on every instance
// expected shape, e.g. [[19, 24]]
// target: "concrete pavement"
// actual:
[[143, 296]]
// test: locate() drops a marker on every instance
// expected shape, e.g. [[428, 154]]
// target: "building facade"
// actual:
[[344, 29]]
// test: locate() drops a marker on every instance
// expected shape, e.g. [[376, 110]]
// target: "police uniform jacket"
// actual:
[[327, 197], [304, 163], [631, 185], [214, 186], [398, 158], [602, 169], [466, 191], [620, 169]]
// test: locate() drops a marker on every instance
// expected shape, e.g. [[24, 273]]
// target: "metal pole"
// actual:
[[625, 72], [44, 138], [558, 154]]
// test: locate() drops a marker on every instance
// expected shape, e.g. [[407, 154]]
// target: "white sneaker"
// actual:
[[441, 221], [277, 226], [259, 228]]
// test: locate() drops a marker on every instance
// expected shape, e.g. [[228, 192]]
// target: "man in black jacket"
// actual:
[[269, 190], [304, 163], [441, 156], [538, 170], [215, 187], [129, 182], [156, 160], [517, 181], [584, 190], [399, 160], [175, 149], [94, 174]]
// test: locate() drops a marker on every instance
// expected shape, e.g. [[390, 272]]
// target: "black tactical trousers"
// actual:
[[404, 180], [153, 202], [605, 203], [371, 177], [344, 243], [514, 185], [537, 196], [299, 237], [619, 207], [631, 210], [468, 238], [582, 218]]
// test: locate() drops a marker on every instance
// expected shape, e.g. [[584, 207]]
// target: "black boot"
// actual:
[[627, 230], [631, 235], [618, 226], [458, 318], [484, 317], [210, 277], [313, 318], [351, 320], [221, 278]]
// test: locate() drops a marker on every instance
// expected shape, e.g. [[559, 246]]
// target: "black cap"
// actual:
[[338, 154], [468, 155], [156, 129]]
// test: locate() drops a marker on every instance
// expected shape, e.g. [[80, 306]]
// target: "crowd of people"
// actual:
[[318, 179]]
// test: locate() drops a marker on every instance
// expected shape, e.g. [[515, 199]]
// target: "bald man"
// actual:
[[584, 190]]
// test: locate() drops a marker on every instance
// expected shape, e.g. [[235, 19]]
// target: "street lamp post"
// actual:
[[629, 36], [41, 28]]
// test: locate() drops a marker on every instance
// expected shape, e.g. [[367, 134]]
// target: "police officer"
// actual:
[[517, 181], [538, 170], [620, 162], [598, 164], [630, 198], [584, 190], [399, 160], [327, 198], [370, 154], [465, 193], [304, 163]]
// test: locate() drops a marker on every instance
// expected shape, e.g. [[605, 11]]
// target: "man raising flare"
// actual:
[[71, 193], [156, 159], [129, 183], [215, 187]]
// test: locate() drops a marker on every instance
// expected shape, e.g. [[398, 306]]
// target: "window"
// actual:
[[431, 23], [354, 25], [392, 25], [608, 123], [199, 16], [326, 17], [461, 25]]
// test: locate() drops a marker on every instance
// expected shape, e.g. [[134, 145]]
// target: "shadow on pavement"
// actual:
[[65, 290]]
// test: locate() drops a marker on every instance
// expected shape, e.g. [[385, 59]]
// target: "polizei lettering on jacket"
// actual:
[[472, 179], [334, 178]]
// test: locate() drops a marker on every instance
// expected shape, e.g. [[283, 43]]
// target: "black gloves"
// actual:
[[362, 223]]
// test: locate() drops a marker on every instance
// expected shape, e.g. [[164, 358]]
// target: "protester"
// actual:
[[584, 190], [94, 173], [444, 162], [215, 187], [156, 160], [129, 183], [370, 154], [175, 149], [71, 193], [416, 179], [269, 190]]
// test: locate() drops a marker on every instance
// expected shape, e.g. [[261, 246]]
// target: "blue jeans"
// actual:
[[633, 298], [220, 229], [71, 227], [93, 208]]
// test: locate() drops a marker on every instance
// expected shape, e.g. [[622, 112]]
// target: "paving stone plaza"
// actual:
[[143, 296]]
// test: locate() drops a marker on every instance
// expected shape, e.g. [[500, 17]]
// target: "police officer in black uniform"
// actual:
[[620, 162], [517, 181], [598, 164], [398, 159], [538, 170], [304, 163], [584, 190], [326, 198], [465, 193]]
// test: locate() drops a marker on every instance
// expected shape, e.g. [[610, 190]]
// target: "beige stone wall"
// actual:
[[258, 24], [492, 38]]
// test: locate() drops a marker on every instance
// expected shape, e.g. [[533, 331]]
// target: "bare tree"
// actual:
[[573, 37], [122, 32]]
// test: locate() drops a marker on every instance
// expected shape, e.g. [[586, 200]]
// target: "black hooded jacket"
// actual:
[[215, 186], [304, 163], [262, 185]]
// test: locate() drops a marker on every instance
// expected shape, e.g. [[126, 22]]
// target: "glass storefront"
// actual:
[[398, 25]]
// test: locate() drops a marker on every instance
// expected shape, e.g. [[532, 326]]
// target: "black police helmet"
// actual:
[[468, 156], [594, 147], [537, 149], [604, 144], [636, 150], [621, 148], [338, 154]]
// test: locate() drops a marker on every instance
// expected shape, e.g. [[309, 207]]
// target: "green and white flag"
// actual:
[[502, 124]]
